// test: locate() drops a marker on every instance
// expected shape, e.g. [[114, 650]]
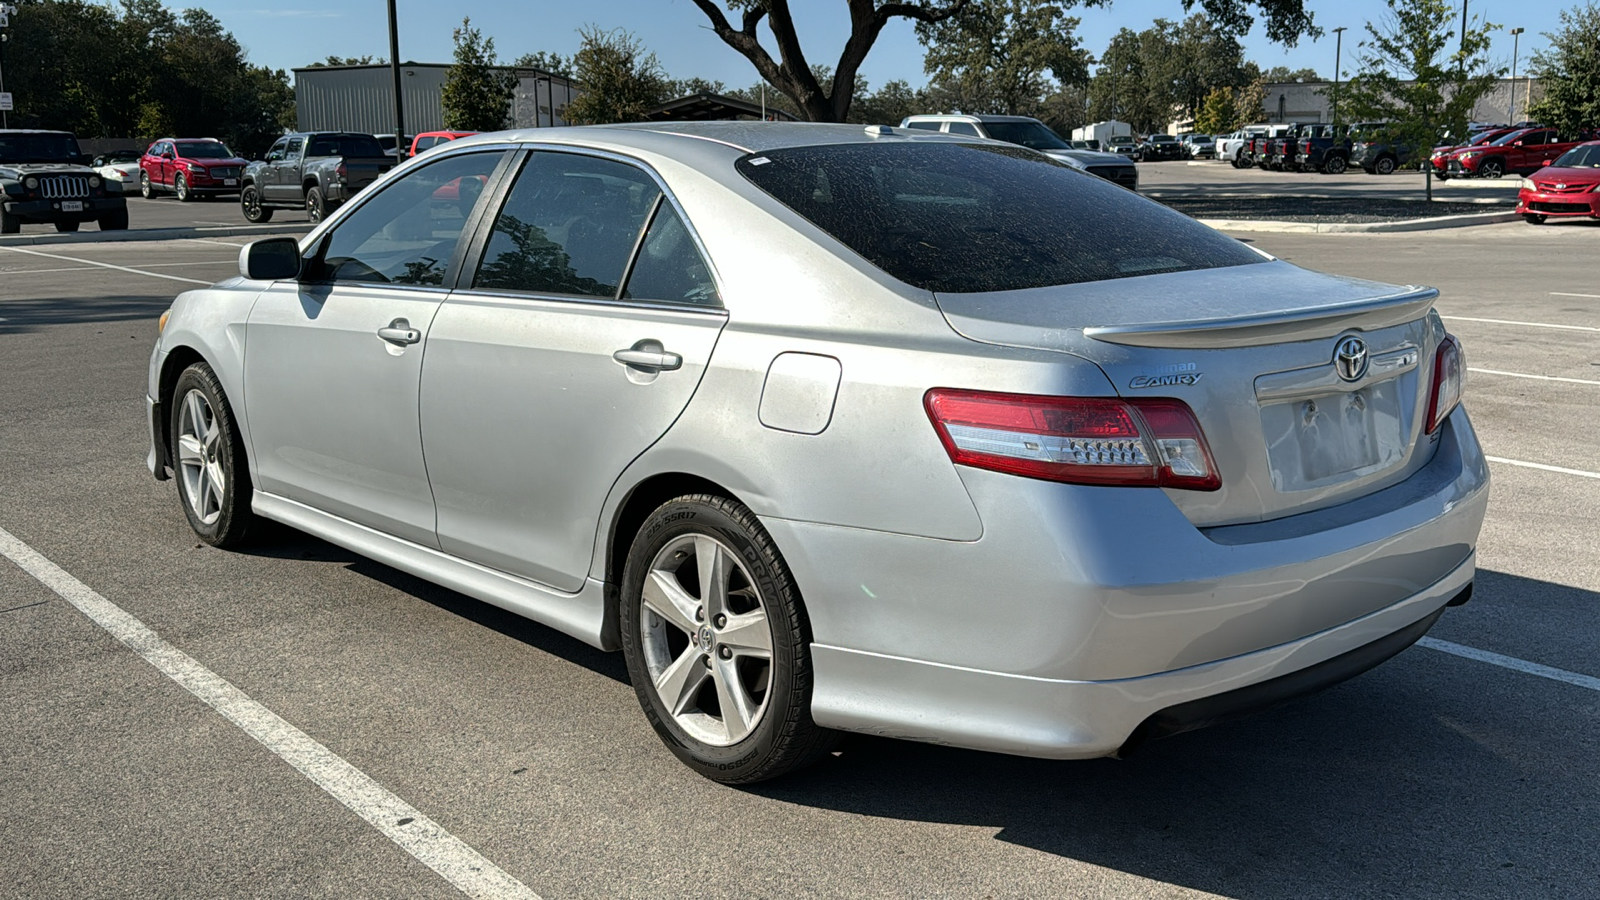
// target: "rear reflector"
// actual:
[[1449, 378], [1146, 442]]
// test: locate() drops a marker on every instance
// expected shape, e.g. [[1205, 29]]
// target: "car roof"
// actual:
[[687, 138], [968, 117]]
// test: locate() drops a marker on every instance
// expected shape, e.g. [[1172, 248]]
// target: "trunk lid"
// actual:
[[1253, 351]]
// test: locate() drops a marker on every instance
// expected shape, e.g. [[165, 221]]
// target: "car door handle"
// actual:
[[649, 360], [400, 332]]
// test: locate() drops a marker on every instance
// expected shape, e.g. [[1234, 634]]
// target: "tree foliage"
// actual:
[[140, 71], [477, 92], [1147, 78], [554, 63], [367, 60], [621, 79], [1003, 56], [1219, 114], [1570, 70], [1285, 75], [1418, 75]]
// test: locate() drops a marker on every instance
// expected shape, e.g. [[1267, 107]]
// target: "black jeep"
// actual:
[[44, 178]]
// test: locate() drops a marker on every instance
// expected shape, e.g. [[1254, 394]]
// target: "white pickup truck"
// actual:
[[1231, 146]]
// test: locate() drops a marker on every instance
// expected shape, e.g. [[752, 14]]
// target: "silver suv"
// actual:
[[1035, 135]]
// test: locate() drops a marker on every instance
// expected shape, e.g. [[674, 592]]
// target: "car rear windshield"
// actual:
[[963, 218], [354, 146], [21, 147], [204, 150], [1029, 134]]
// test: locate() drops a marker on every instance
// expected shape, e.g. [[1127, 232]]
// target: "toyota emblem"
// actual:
[[1350, 358]]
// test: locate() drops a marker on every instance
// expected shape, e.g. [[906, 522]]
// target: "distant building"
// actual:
[[361, 98], [1312, 101]]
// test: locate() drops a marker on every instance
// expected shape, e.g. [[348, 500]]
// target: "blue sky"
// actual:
[[290, 33]]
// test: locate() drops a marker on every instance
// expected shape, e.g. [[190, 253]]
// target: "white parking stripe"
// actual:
[[1524, 324], [1511, 662], [91, 262], [1585, 296], [1542, 466], [414, 832], [1526, 375]]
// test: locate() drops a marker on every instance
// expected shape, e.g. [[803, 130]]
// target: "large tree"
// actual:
[[1168, 70], [792, 73], [621, 79], [1003, 56], [1570, 70], [477, 93], [1416, 73]]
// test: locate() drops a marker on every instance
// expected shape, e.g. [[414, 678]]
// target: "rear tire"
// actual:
[[316, 205], [115, 220], [1385, 165], [1334, 165], [711, 619], [208, 459], [250, 204], [1533, 218], [66, 226]]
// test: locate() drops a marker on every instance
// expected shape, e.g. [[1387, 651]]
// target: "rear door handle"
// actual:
[[649, 360], [400, 332]]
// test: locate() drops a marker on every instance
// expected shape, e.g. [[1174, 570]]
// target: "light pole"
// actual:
[[400, 147], [1515, 37], [1338, 50], [1462, 59]]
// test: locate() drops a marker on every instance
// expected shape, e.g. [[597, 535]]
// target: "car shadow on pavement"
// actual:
[[278, 541], [26, 315], [1428, 776]]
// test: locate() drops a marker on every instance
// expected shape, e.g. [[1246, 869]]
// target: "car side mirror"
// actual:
[[270, 259], [1517, 144]]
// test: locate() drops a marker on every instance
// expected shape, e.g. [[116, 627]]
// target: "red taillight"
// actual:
[[1305, 147], [1449, 378], [1145, 442], [341, 171]]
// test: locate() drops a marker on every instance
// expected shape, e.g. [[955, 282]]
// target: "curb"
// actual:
[[1161, 194], [152, 234], [1440, 222]]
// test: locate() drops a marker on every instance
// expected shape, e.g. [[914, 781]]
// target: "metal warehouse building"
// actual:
[[361, 98]]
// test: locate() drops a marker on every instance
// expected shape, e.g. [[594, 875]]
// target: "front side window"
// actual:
[[960, 218], [276, 153], [568, 226], [407, 233]]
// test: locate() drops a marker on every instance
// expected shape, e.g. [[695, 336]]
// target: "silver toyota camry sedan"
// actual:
[[838, 429]]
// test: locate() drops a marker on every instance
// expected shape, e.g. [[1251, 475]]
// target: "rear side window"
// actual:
[[669, 266], [924, 126], [356, 146], [962, 218], [965, 129]]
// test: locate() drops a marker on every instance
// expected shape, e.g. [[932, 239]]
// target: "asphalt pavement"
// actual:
[[1434, 775]]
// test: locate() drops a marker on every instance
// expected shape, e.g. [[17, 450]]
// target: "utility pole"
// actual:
[[400, 147], [1462, 59], [1515, 37], [6, 12], [1338, 50]]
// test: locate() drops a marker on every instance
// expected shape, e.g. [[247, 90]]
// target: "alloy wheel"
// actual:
[[707, 640], [200, 457]]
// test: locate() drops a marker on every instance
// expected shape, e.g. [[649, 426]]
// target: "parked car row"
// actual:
[[1035, 135]]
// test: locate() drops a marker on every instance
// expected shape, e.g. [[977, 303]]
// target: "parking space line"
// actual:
[[1526, 375], [1524, 324], [104, 265], [1584, 296], [1511, 662], [401, 823], [1548, 468], [220, 262]]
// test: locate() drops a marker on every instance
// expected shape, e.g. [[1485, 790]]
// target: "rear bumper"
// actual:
[[1082, 611], [1061, 719]]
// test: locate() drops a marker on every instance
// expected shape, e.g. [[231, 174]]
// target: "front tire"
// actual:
[[1491, 168], [9, 224], [65, 227], [1533, 218], [208, 458], [250, 204], [180, 186], [717, 642], [115, 220], [1385, 165], [146, 189]]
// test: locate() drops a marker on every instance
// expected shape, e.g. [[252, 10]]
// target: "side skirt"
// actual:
[[580, 615]]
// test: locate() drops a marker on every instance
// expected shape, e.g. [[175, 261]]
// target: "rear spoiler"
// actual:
[[1273, 327]]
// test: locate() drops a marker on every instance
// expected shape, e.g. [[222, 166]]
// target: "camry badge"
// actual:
[[1350, 358]]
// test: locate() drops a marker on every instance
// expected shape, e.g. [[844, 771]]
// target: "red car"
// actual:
[[1569, 187], [1440, 159], [430, 139], [189, 168], [1518, 152]]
